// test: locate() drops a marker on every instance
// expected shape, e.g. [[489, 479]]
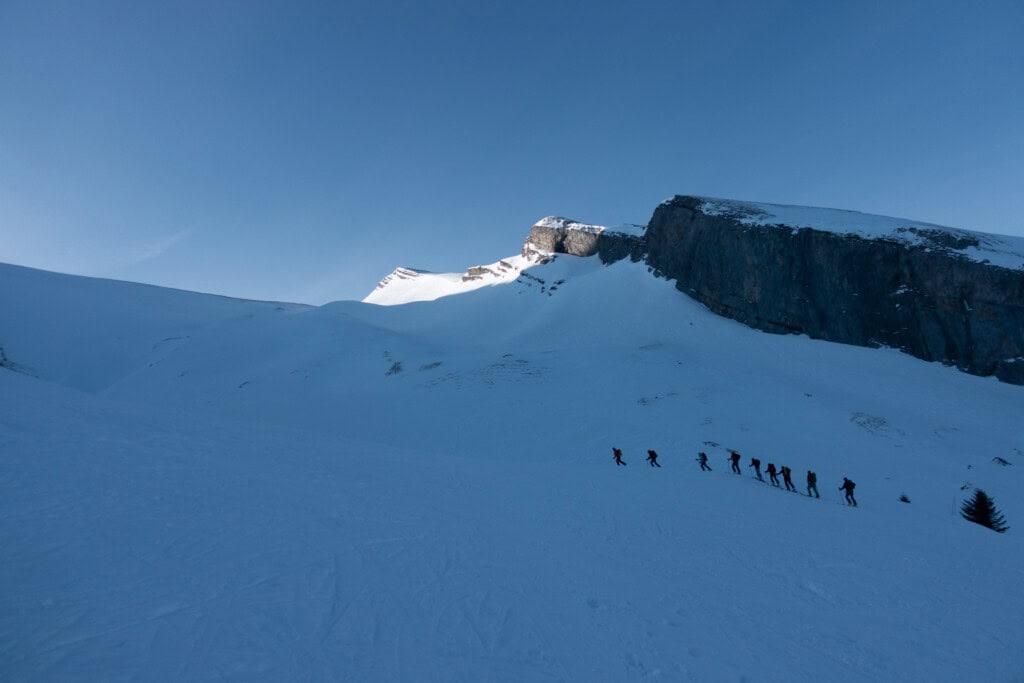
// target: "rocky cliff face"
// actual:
[[939, 294]]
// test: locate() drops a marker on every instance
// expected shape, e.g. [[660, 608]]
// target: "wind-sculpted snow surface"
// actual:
[[426, 492]]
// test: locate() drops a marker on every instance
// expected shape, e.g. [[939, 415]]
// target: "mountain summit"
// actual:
[[937, 293]]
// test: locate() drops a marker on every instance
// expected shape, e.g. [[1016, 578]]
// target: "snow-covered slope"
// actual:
[[406, 285], [87, 333], [426, 492]]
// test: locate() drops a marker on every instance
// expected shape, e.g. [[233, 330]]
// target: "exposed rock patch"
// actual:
[[565, 236]]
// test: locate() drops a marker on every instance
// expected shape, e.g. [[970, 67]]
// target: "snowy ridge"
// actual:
[[1000, 250], [406, 285]]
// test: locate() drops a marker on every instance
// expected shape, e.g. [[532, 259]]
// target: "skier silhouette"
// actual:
[[652, 458], [618, 456], [756, 464], [734, 457], [812, 484], [848, 486], [787, 478], [702, 458], [771, 473]]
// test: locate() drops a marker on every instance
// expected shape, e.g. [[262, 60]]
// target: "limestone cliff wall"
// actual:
[[930, 302], [923, 298]]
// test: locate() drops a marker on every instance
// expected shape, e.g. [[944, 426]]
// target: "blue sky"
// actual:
[[301, 151]]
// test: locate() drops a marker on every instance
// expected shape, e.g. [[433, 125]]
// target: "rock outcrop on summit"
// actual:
[[939, 294], [562, 235]]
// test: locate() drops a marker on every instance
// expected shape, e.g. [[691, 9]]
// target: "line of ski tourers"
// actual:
[[755, 464]]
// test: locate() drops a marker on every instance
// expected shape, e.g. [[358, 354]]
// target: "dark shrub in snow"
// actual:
[[982, 510]]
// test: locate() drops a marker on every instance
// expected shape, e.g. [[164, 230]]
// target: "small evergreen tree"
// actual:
[[982, 510]]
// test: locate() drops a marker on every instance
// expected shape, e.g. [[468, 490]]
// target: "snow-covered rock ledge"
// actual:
[[998, 250], [563, 235]]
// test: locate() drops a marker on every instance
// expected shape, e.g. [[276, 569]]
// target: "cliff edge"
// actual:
[[940, 294]]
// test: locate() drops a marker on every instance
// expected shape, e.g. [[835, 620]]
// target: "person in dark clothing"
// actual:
[[756, 464], [787, 478], [848, 486], [771, 473], [618, 456], [702, 458], [734, 457], [812, 484], [652, 458]]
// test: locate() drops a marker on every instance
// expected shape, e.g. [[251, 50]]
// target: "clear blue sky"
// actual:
[[301, 151]]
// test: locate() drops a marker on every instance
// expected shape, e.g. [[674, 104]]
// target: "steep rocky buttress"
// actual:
[[926, 290]]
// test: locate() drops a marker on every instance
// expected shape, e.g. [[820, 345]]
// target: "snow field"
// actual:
[[266, 498]]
